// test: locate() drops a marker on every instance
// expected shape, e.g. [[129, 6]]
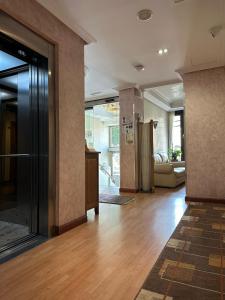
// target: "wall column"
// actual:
[[69, 204], [131, 105], [205, 133]]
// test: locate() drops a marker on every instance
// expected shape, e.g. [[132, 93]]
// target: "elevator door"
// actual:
[[17, 157], [23, 147]]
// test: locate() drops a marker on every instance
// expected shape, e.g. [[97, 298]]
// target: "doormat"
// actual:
[[115, 199]]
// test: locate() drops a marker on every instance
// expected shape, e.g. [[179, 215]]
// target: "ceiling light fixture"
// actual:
[[144, 15]]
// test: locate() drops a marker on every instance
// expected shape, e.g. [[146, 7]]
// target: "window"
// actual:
[[114, 136], [89, 127], [177, 132]]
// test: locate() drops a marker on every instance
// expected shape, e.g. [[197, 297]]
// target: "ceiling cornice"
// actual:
[[161, 83], [158, 102], [74, 26]]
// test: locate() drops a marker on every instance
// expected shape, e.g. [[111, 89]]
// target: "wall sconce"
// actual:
[[155, 124]]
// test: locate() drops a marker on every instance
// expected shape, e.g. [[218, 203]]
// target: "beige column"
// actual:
[[131, 106], [205, 133]]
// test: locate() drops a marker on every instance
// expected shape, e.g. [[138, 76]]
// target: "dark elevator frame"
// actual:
[[47, 192]]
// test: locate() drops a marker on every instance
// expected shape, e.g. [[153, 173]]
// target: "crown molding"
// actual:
[[72, 24]]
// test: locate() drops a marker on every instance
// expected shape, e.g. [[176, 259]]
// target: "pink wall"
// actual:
[[70, 103], [205, 133]]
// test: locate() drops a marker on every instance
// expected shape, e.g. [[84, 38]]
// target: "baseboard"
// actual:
[[70, 225], [209, 200], [125, 190]]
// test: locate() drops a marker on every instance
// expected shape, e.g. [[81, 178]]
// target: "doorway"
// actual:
[[102, 132], [23, 143]]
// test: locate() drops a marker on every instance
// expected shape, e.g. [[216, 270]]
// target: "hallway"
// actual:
[[107, 258]]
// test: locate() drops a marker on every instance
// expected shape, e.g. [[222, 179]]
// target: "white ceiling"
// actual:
[[104, 115], [117, 40], [169, 97]]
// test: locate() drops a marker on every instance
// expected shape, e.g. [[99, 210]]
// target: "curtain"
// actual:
[[171, 119]]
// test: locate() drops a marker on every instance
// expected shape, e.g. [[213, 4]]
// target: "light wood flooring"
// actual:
[[107, 258]]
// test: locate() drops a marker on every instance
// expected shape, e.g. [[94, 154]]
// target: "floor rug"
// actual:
[[192, 264], [114, 199]]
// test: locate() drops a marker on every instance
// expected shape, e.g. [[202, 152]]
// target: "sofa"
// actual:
[[168, 174]]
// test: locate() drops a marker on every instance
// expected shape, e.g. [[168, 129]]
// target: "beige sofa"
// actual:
[[168, 174]]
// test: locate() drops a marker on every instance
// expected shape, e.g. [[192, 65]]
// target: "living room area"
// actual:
[[165, 106]]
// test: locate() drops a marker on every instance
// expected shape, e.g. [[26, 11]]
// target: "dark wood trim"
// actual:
[[208, 200], [125, 190], [70, 225]]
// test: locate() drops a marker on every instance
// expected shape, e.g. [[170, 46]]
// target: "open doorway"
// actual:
[[164, 105], [102, 133]]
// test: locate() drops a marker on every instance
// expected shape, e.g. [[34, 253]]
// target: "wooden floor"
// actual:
[[107, 258]]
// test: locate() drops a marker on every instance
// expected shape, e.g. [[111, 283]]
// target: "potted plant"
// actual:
[[174, 154]]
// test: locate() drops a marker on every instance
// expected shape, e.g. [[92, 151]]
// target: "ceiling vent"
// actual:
[[144, 15], [178, 1], [139, 67]]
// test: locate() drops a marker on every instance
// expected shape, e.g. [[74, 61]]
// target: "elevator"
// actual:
[[26, 137]]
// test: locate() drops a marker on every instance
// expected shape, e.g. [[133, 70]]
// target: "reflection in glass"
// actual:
[[15, 158], [102, 133]]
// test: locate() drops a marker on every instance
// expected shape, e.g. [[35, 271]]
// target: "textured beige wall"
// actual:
[[155, 113], [205, 133], [70, 114], [129, 105]]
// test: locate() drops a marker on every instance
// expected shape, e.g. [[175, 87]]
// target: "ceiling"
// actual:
[[117, 40], [105, 114]]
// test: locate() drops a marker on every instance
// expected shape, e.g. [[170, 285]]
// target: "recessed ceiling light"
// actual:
[[163, 51], [160, 51], [144, 15]]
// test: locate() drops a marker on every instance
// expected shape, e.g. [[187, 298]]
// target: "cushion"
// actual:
[[157, 158], [163, 168], [164, 157], [179, 172], [178, 164]]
